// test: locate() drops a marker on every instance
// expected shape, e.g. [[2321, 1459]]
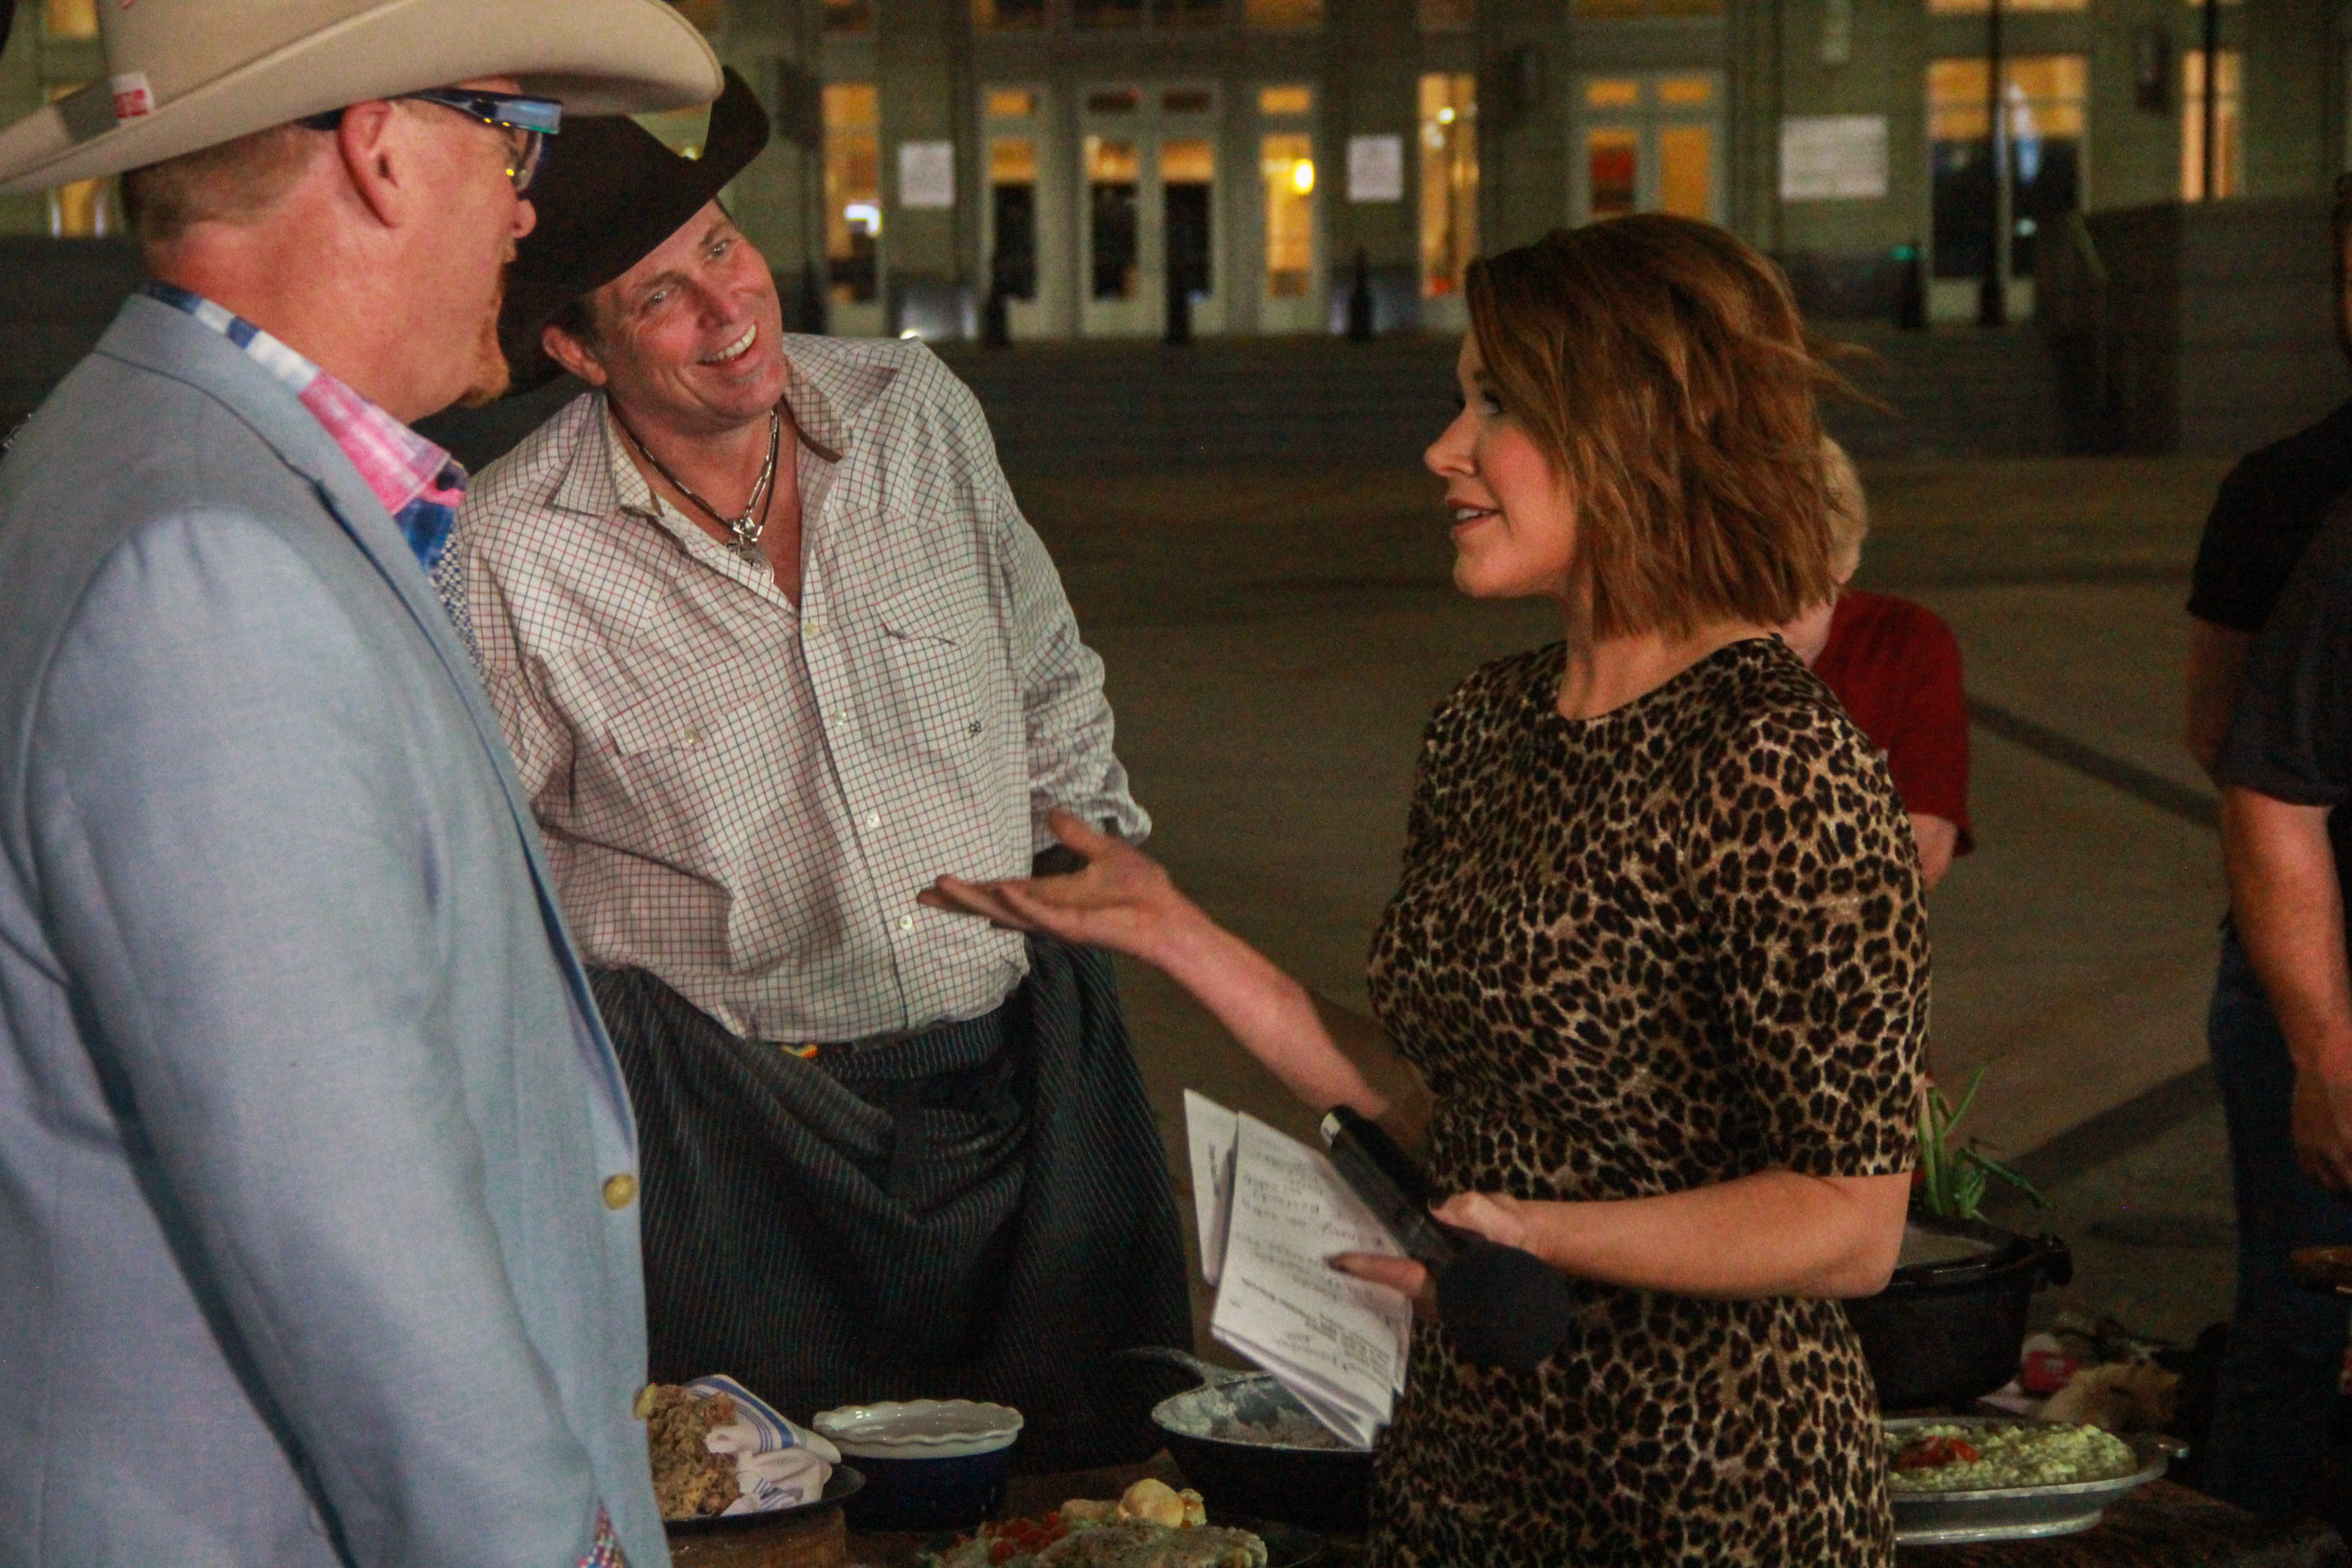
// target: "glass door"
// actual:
[[1293, 295], [1017, 215], [1649, 141], [1146, 214], [2044, 110]]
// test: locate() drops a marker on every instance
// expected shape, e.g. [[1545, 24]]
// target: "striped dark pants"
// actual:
[[982, 1211]]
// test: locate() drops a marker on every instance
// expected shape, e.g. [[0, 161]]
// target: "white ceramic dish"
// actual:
[[920, 1428]]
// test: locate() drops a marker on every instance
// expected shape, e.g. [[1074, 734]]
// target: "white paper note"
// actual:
[[1337, 1342], [1210, 1129]]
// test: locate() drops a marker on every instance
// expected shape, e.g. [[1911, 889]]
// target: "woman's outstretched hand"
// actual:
[[1494, 1215], [1123, 899]]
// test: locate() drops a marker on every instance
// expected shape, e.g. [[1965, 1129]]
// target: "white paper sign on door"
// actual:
[[1376, 168], [926, 175], [1832, 157]]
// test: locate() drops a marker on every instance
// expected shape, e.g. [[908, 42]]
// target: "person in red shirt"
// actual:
[[1896, 666]]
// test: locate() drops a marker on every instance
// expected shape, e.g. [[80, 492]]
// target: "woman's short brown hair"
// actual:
[[1662, 366]]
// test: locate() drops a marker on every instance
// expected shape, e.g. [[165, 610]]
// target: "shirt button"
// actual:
[[815, 625], [906, 922], [873, 819], [620, 1191], [694, 737]]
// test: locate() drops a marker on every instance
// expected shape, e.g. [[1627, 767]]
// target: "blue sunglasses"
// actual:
[[533, 119]]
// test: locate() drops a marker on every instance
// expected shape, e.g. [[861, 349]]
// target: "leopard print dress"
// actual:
[[1675, 945]]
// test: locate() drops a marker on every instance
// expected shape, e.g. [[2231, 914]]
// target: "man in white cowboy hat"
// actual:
[[318, 1233]]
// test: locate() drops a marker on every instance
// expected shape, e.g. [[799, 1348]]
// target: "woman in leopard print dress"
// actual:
[[1658, 952]]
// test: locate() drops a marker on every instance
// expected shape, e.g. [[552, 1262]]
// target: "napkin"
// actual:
[[778, 1463]]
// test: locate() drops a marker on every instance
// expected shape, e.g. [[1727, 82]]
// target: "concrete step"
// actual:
[[1074, 408]]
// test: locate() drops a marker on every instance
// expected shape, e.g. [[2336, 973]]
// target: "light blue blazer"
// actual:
[[306, 1118]]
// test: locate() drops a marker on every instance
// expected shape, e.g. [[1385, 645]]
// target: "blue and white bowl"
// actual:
[[929, 1463]]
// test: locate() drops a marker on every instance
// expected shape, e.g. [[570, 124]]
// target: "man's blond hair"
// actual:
[[235, 182]]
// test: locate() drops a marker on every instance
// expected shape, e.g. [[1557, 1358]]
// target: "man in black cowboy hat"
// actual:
[[774, 649]]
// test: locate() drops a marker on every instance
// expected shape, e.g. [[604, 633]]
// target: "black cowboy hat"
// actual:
[[608, 197]]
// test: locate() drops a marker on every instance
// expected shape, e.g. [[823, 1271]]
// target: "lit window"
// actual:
[[1612, 92], [1686, 170], [1288, 162], [1007, 15], [1274, 102], [1106, 13], [2045, 108], [1687, 91], [1011, 102], [1630, 10], [70, 18], [1286, 14], [1612, 159], [1188, 12], [1449, 180], [2229, 144], [1114, 257], [1979, 7], [1188, 177], [853, 191]]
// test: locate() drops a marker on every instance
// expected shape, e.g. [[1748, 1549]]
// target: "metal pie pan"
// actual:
[[2014, 1513]]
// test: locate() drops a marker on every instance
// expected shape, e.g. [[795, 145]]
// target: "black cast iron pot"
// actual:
[[1948, 1328], [1316, 1489]]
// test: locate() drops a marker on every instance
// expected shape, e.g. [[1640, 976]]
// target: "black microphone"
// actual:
[[1502, 1306]]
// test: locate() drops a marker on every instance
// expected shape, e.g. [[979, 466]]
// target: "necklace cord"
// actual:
[[748, 528]]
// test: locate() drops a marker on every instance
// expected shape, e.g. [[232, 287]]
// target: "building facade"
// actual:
[[1101, 164]]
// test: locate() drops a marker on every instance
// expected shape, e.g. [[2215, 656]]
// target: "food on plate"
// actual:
[[1153, 1501], [1243, 1414], [2122, 1397], [1152, 1526], [1138, 1544], [689, 1481], [1966, 1458]]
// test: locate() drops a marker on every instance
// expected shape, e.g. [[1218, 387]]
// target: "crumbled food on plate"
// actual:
[[1152, 1526], [689, 1481], [1966, 1458]]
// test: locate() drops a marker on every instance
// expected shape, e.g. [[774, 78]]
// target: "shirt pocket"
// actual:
[[698, 710], [684, 764], [944, 663]]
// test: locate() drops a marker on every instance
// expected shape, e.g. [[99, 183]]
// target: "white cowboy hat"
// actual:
[[184, 75]]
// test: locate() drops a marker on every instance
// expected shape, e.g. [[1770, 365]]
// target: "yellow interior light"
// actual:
[[1302, 176]]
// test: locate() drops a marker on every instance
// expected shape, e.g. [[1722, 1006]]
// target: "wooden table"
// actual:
[[2159, 1526]]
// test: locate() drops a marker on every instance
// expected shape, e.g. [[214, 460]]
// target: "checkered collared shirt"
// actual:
[[744, 798]]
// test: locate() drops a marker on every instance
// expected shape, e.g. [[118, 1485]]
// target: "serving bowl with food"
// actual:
[[1969, 1478], [1247, 1441], [724, 1460], [1152, 1526]]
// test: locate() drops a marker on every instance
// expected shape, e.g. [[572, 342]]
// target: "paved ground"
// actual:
[[1275, 642]]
